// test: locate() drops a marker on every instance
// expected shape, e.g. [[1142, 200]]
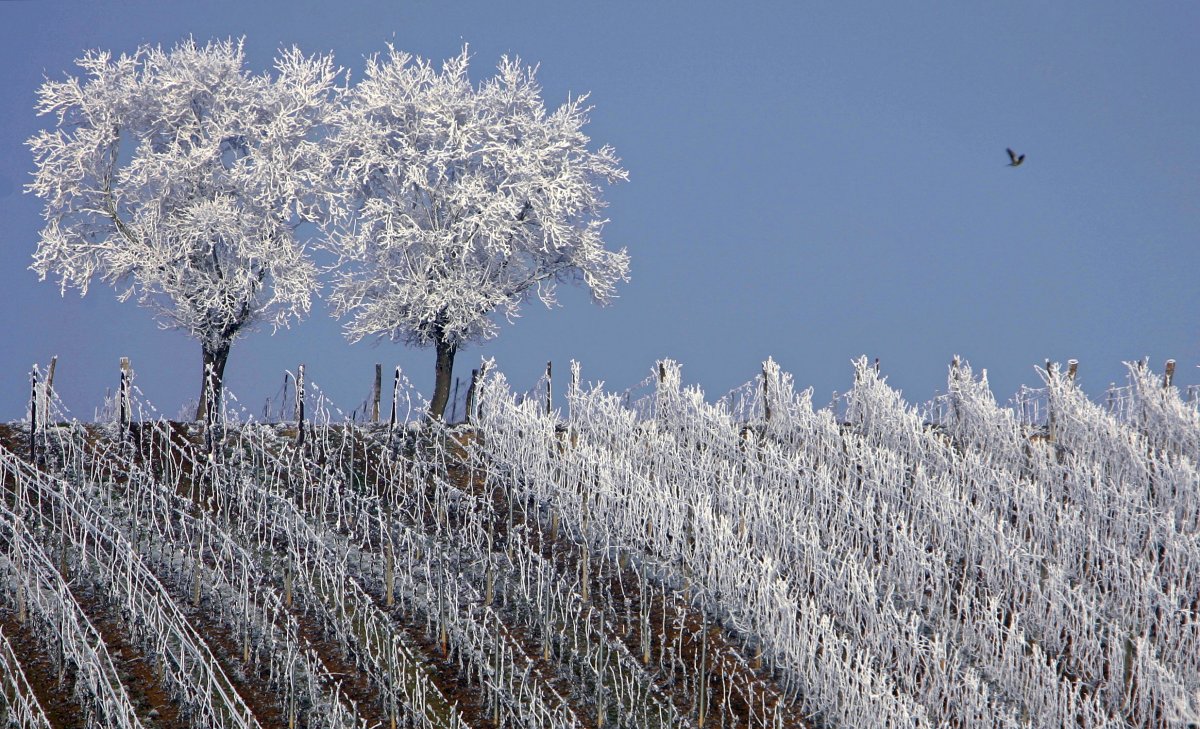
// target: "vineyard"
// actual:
[[637, 559]]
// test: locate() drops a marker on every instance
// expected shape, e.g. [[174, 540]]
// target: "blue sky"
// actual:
[[809, 181]]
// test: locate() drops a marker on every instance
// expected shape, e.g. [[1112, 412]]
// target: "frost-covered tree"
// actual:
[[449, 203], [180, 178]]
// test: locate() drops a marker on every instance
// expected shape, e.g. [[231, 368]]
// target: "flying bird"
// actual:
[[1016, 158]]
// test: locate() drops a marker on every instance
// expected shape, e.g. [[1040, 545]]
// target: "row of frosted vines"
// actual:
[[862, 556], [255, 497], [833, 542], [621, 596], [193, 552], [260, 490], [1088, 620], [1118, 520], [520, 586], [908, 504], [616, 485], [472, 591], [372, 537], [19, 707], [43, 598], [387, 546], [886, 570], [94, 548], [531, 479], [1169, 691], [272, 538]]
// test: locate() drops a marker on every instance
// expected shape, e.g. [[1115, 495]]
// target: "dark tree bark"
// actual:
[[212, 378], [443, 370]]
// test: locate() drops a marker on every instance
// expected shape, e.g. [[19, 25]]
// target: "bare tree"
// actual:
[[448, 203], [179, 177]]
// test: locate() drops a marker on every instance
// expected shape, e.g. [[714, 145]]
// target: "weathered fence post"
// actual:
[[284, 397], [766, 392], [572, 393], [955, 394], [1051, 420], [395, 399], [549, 389], [469, 415], [33, 416], [48, 387], [300, 405], [375, 393], [1072, 368], [1169, 374], [45, 394], [123, 397]]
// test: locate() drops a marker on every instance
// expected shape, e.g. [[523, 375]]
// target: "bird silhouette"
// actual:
[[1016, 158]]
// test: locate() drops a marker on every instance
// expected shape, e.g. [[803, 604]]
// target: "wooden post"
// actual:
[[300, 405], [395, 397], [469, 416], [549, 389], [1072, 368], [1169, 375], [123, 396], [376, 393], [283, 400], [46, 393], [766, 392], [33, 417], [454, 400], [1051, 430]]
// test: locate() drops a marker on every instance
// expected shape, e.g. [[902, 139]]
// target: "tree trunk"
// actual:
[[444, 371], [212, 378]]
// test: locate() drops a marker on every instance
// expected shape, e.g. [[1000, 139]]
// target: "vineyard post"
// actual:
[[1169, 374], [375, 393], [469, 415], [48, 389], [300, 405], [549, 388], [288, 578], [284, 398], [662, 378], [574, 386], [483, 370], [395, 399], [123, 397], [954, 393], [766, 391], [1050, 419], [33, 416]]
